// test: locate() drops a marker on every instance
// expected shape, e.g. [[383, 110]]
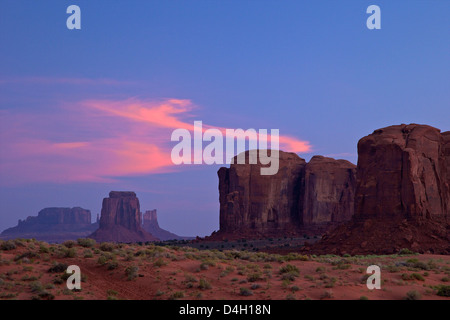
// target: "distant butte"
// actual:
[[120, 219], [53, 225]]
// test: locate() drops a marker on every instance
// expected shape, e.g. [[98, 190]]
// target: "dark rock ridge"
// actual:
[[120, 219], [402, 196], [151, 225], [54, 225], [299, 197]]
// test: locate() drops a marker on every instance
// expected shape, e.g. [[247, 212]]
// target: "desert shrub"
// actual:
[[290, 296], [295, 288], [255, 286], [445, 279], [86, 242], [417, 276], [87, 253], [67, 252], [43, 249], [342, 266], [327, 294], [443, 291], [413, 295], [330, 282], [363, 298], [320, 269], [7, 245], [416, 264], [255, 276], [102, 260], [176, 295], [309, 277], [392, 269], [36, 287], [245, 292], [295, 256], [112, 265], [160, 263], [204, 284], [191, 278], [405, 251], [107, 246], [58, 268], [289, 276], [69, 243], [412, 276], [289, 268], [131, 272], [28, 255]]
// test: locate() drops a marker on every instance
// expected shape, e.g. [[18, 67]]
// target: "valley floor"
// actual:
[[30, 269]]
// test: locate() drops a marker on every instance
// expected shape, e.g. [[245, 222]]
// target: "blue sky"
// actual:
[[309, 68]]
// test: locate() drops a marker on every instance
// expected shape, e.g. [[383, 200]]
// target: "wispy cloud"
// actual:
[[97, 140]]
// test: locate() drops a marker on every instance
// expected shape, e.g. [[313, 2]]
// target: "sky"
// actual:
[[84, 112]]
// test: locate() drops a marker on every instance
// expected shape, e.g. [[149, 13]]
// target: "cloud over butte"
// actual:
[[97, 140]]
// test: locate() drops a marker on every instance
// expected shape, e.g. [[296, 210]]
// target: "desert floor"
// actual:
[[31, 269]]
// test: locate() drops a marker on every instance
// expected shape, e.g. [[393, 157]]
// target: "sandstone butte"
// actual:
[[300, 197], [120, 219], [402, 197], [53, 225]]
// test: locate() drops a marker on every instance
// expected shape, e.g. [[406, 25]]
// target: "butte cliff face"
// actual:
[[120, 219], [329, 190], [402, 196], [298, 197], [151, 225], [54, 225]]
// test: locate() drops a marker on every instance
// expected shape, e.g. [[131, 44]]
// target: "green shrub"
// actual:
[[131, 272], [58, 268], [443, 291], [112, 265], [245, 292], [177, 295], [106, 246], [256, 276], [405, 251], [413, 295], [69, 243], [28, 255], [160, 263], [289, 268], [86, 242], [7, 245], [204, 284], [43, 249]]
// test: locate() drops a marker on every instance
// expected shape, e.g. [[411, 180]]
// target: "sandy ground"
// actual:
[[187, 273]]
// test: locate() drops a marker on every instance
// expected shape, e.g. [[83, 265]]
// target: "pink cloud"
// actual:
[[97, 141]]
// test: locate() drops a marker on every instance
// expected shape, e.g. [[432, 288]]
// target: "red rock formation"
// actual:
[[446, 136], [329, 191], [120, 219], [151, 225], [53, 225], [402, 195], [254, 204], [296, 199]]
